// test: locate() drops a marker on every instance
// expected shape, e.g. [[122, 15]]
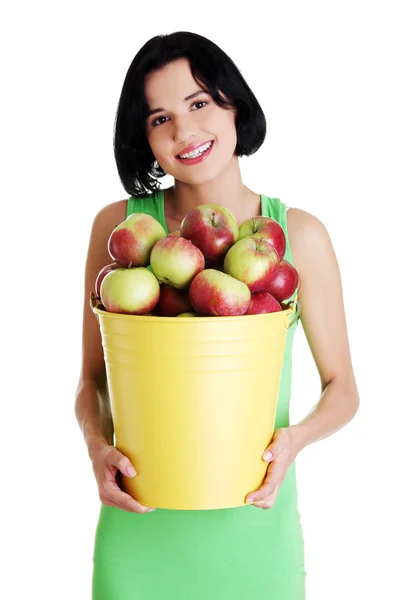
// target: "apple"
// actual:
[[131, 242], [101, 276], [133, 291], [285, 281], [172, 301], [253, 261], [176, 232], [268, 229], [214, 293], [188, 314], [262, 302], [212, 228], [175, 261]]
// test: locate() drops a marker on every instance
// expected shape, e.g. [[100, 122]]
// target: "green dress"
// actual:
[[225, 554]]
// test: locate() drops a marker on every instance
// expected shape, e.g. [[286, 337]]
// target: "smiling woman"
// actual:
[[186, 110], [188, 131], [208, 87]]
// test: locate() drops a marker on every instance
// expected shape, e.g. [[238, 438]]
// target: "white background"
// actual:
[[326, 75]]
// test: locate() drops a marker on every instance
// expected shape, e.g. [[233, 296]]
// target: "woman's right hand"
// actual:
[[107, 461]]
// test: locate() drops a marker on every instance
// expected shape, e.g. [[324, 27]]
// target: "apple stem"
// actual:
[[130, 264], [254, 226], [213, 219]]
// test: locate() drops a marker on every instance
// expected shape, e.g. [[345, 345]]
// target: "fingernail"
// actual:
[[131, 471], [150, 510], [267, 456], [250, 500]]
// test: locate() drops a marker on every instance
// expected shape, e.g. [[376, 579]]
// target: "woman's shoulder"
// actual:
[[115, 212], [300, 221], [308, 236], [104, 222]]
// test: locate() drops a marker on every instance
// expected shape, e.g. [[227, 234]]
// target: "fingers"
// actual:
[[266, 495], [115, 458], [279, 454], [268, 502], [110, 493]]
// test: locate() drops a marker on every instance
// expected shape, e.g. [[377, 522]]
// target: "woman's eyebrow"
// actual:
[[156, 110]]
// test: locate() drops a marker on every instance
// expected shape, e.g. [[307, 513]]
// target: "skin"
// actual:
[[218, 180]]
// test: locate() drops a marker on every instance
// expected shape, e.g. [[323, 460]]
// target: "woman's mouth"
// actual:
[[196, 156]]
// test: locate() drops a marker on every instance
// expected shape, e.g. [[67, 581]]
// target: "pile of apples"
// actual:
[[209, 267]]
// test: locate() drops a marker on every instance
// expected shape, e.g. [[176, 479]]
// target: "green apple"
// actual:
[[176, 261], [253, 261], [133, 291]]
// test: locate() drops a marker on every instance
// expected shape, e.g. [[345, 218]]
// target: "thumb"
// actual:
[[123, 464]]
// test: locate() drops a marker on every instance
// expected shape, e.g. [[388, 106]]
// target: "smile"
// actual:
[[197, 155]]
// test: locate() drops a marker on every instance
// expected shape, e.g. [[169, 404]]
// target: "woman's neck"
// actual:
[[227, 190]]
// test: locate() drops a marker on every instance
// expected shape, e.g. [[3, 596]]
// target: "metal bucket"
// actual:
[[194, 402]]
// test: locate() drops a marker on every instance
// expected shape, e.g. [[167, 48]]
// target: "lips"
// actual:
[[193, 147]]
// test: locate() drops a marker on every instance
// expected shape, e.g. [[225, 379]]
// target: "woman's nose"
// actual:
[[185, 129]]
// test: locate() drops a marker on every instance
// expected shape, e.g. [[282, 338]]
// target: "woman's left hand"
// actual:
[[279, 454]]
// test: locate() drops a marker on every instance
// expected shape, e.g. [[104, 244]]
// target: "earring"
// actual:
[[156, 165]]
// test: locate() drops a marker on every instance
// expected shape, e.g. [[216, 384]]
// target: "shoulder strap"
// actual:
[[151, 205]]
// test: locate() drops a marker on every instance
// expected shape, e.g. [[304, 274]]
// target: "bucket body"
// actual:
[[193, 403]]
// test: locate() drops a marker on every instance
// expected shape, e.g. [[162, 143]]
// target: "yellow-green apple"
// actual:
[[213, 293], [268, 229], [131, 242], [172, 301], [101, 276], [285, 281], [133, 291], [212, 228], [188, 314], [253, 261], [175, 261], [262, 302]]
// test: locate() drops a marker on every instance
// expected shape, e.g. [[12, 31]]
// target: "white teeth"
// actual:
[[196, 152]]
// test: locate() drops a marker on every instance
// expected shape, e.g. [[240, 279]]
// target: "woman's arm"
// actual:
[[323, 319], [92, 404]]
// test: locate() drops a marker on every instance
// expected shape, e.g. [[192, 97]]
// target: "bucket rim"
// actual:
[[281, 314]]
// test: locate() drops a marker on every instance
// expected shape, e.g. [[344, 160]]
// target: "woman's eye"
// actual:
[[200, 102], [158, 121]]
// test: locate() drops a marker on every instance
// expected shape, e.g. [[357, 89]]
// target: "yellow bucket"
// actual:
[[193, 402]]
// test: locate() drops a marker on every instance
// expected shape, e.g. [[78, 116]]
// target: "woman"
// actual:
[[183, 96]]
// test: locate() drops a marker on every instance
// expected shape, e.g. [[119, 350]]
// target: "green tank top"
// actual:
[[225, 554]]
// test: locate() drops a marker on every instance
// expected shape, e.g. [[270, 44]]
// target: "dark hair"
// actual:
[[213, 70]]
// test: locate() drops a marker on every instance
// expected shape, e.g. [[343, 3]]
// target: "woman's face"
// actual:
[[185, 118]]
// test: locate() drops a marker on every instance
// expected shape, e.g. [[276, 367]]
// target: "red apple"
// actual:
[[253, 261], [172, 301], [175, 261], [262, 302], [132, 291], [214, 293], [212, 228], [285, 281], [268, 229], [131, 242], [101, 276]]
